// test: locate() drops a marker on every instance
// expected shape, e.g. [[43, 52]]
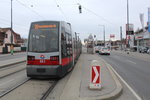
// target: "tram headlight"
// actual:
[[31, 58], [54, 58]]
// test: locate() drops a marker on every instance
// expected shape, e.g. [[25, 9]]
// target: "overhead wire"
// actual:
[[7, 22], [30, 2], [78, 3], [60, 9], [29, 8], [95, 13], [3, 23], [16, 25]]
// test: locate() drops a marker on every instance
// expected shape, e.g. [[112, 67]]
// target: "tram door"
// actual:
[[68, 45]]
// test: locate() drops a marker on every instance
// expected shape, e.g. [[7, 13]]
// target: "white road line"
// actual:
[[131, 61], [7, 82], [134, 93], [129, 87]]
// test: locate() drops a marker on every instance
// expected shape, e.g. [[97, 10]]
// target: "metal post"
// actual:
[[128, 21], [11, 29], [149, 25], [143, 38], [121, 36], [11, 24], [104, 35], [138, 45]]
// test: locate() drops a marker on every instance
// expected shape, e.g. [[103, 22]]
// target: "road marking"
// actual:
[[7, 82], [131, 61], [129, 87], [134, 93]]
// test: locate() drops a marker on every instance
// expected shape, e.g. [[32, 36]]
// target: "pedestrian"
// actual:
[[11, 49]]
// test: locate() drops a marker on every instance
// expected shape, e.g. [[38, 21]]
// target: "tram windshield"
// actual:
[[44, 37]]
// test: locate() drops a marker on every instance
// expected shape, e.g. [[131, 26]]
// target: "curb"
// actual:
[[118, 91], [134, 93], [114, 94]]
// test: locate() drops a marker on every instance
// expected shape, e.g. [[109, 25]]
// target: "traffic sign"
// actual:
[[95, 76]]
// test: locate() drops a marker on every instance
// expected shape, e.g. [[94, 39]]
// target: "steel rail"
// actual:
[[12, 73], [6, 92], [49, 90], [5, 66]]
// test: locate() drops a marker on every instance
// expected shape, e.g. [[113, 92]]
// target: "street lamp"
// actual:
[[128, 23], [103, 33], [11, 31]]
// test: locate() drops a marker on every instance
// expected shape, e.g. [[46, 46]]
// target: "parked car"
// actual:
[[133, 49], [104, 50], [97, 49], [148, 51], [127, 49], [143, 49]]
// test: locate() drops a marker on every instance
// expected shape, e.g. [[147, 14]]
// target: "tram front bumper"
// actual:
[[44, 71]]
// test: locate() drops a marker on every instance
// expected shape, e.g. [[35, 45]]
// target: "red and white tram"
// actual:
[[52, 50]]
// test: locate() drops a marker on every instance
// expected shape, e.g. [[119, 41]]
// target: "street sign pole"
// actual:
[[149, 24], [11, 30], [121, 36]]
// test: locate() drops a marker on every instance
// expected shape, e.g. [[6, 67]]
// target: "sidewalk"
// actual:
[[77, 85]]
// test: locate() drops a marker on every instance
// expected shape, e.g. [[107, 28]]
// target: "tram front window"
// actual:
[[43, 40]]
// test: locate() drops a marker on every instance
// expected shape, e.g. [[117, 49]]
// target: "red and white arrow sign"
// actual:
[[95, 75]]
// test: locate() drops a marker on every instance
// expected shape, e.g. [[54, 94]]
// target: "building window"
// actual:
[[6, 35]]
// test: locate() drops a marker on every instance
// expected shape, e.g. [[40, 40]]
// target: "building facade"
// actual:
[[142, 38], [5, 37]]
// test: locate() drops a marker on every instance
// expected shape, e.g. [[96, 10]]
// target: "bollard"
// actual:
[[95, 75]]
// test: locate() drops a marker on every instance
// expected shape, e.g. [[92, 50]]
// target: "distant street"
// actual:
[[136, 72], [9, 56]]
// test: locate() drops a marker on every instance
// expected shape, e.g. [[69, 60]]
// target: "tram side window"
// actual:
[[63, 45], [70, 44], [67, 44]]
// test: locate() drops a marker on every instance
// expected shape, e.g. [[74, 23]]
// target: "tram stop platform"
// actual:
[[77, 84]]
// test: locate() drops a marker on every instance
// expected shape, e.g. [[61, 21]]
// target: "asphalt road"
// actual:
[[9, 56], [136, 72]]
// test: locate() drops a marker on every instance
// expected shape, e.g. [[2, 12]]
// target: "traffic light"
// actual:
[[80, 9]]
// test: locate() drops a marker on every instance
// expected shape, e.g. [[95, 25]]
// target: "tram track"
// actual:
[[8, 65], [12, 73], [49, 90], [50, 84], [13, 88], [42, 88], [11, 69]]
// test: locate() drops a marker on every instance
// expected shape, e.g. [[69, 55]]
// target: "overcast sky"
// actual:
[[111, 13]]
